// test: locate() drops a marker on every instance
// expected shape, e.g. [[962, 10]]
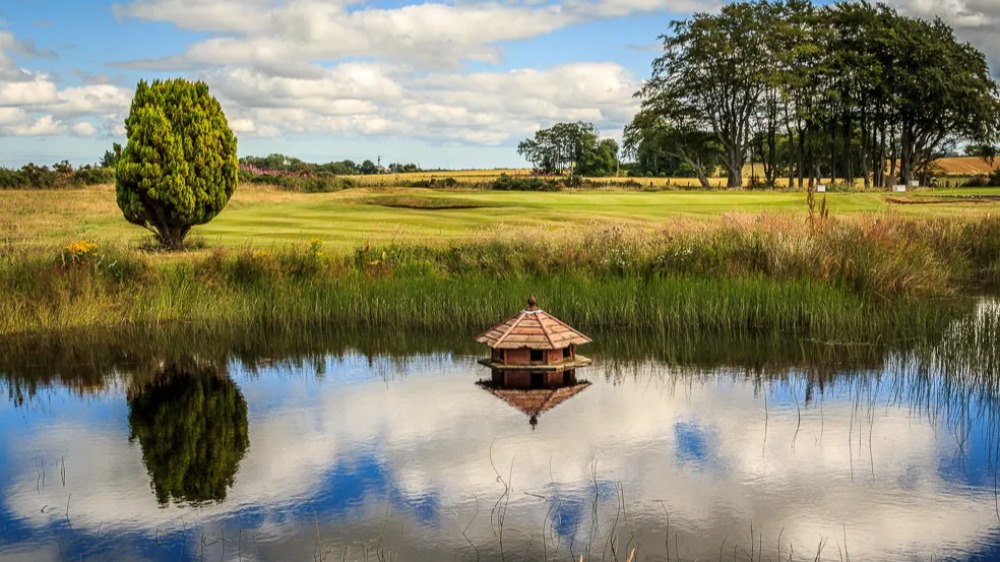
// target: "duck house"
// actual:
[[533, 349]]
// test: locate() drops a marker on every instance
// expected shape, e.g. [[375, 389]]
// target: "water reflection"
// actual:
[[191, 423], [533, 402], [330, 449]]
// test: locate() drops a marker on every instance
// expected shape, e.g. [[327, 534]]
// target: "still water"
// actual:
[[267, 448]]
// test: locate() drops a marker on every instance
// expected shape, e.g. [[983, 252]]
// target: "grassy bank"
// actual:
[[846, 281]]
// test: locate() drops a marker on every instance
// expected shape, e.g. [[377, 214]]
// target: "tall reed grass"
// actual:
[[849, 281]]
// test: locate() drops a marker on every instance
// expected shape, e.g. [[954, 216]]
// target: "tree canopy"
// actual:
[[179, 166], [851, 90], [571, 146]]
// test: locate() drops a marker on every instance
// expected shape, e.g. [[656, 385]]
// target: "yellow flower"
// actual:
[[78, 251], [316, 247]]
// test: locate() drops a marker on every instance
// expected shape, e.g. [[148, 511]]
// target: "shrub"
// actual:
[[179, 168], [509, 183], [980, 181]]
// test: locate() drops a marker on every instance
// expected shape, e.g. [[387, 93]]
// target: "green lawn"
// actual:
[[352, 217]]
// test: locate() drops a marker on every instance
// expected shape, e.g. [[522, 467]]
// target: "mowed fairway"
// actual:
[[350, 218]]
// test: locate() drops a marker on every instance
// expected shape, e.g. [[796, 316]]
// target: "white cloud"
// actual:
[[305, 31], [12, 116], [83, 129], [39, 89], [32, 104], [223, 16], [479, 108], [40, 127], [284, 36], [98, 100]]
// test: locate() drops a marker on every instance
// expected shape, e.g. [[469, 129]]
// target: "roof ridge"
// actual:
[[545, 329], [513, 325]]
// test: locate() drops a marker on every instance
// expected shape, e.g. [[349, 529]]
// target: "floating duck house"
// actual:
[[533, 349]]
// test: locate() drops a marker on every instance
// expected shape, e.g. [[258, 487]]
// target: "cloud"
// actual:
[[482, 108], [268, 35], [223, 16], [34, 90], [83, 129], [432, 35], [12, 116], [975, 21], [32, 103], [24, 48], [42, 126]]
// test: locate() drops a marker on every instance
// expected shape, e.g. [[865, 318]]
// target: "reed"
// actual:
[[857, 280]]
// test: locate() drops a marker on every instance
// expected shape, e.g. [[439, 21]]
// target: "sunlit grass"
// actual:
[[353, 217]]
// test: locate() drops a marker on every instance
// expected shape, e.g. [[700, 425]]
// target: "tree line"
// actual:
[[59, 176], [851, 90], [280, 163]]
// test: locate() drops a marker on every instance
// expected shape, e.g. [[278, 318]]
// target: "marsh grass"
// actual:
[[849, 280]]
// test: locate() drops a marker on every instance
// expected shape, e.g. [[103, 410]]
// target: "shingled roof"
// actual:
[[532, 328]]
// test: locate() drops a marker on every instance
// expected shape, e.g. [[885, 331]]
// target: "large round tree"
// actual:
[[179, 167]]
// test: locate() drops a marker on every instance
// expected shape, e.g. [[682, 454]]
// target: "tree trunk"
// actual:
[[906, 155], [703, 179], [802, 156], [172, 237], [734, 173]]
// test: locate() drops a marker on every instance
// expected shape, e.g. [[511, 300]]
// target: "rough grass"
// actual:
[[856, 280]]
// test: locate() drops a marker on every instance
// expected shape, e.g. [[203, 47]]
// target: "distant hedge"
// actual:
[[322, 182], [60, 176]]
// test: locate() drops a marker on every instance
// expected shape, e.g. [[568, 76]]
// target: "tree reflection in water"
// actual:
[[191, 423]]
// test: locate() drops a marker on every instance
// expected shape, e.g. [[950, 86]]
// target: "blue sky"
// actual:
[[439, 83]]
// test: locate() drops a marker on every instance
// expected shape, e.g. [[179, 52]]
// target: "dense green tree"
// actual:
[[943, 89], [850, 90], [398, 168], [368, 167], [672, 146], [192, 426], [575, 147], [713, 70], [599, 160], [111, 157], [179, 167]]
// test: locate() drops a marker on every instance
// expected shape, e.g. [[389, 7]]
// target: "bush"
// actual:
[[60, 176], [509, 183], [980, 181], [179, 168], [322, 182]]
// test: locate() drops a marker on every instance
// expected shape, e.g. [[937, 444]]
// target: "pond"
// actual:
[[250, 445]]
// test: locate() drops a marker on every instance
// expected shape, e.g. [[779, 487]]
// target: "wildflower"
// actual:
[[77, 252], [316, 247]]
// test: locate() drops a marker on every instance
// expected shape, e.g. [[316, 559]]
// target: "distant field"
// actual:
[[967, 166], [350, 218], [959, 167]]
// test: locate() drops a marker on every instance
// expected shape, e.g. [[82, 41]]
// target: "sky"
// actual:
[[452, 84]]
